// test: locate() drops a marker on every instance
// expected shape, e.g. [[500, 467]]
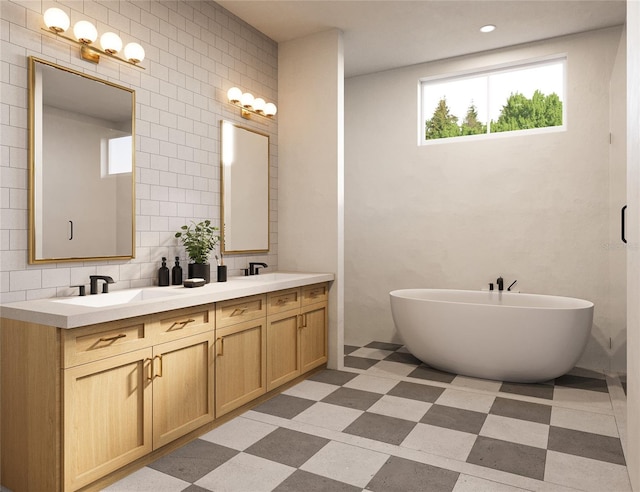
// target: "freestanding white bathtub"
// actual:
[[493, 335]]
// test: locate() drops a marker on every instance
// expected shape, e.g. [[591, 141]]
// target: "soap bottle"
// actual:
[[163, 274], [176, 273]]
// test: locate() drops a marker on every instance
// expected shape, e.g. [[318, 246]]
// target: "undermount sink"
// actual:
[[118, 297]]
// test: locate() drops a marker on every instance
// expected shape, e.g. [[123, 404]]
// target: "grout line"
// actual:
[[512, 396]]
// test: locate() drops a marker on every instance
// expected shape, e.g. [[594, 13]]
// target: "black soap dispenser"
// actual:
[[163, 274], [176, 273]]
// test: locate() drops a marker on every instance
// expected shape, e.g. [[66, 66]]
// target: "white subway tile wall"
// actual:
[[195, 51]]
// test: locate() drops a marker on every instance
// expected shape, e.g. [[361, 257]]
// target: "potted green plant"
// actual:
[[199, 240]]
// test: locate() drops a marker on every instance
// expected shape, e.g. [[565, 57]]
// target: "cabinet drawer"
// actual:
[[283, 300], [315, 293], [181, 323], [94, 342], [238, 310]]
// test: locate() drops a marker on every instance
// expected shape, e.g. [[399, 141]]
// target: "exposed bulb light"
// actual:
[[270, 109], [258, 105], [488, 28], [85, 32], [111, 43], [234, 94], [56, 20], [134, 53], [247, 100], [250, 105]]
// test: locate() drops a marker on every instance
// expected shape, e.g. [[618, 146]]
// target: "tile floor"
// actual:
[[389, 423]]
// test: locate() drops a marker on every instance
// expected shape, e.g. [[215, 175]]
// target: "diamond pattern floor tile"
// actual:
[[380, 428], [288, 447], [388, 422], [510, 457], [399, 474]]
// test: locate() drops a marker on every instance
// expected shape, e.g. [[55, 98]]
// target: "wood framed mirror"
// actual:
[[81, 166]]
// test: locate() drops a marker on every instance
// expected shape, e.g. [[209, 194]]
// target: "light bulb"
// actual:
[[111, 42], [134, 52], [234, 94], [488, 28], [85, 32], [56, 20], [270, 109], [258, 105], [247, 99]]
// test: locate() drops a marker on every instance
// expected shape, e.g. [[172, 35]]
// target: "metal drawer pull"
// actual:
[[238, 311], [113, 338], [282, 301], [314, 293], [179, 325]]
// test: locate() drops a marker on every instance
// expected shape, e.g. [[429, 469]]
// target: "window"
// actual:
[[514, 98], [120, 155]]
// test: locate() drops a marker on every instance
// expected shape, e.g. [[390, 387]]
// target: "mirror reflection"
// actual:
[[82, 166], [244, 189]]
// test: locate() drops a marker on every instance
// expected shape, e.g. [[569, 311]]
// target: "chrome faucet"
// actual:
[[254, 268], [500, 283], [94, 283]]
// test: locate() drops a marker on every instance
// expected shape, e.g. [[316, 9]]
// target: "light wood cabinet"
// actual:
[[182, 387], [78, 404], [296, 333], [240, 352], [107, 416], [118, 409]]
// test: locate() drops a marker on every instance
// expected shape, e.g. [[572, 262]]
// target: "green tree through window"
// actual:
[[523, 96], [521, 113], [442, 124], [471, 125]]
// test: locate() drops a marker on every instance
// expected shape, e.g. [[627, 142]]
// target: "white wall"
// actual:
[[195, 51], [459, 214], [310, 190], [633, 255]]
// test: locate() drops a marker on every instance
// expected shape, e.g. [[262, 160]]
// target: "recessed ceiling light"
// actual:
[[487, 28]]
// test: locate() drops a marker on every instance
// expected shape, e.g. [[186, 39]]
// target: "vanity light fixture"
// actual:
[[85, 33], [251, 105]]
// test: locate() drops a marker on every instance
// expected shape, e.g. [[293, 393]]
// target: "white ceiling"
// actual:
[[385, 34]]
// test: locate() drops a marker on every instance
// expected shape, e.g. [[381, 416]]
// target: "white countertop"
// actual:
[[63, 312]]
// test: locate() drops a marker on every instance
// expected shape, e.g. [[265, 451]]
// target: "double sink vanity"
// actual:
[[91, 384]]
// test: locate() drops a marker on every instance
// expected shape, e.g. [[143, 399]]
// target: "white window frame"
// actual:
[[488, 71]]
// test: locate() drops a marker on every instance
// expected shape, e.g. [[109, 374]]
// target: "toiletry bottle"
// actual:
[[163, 274], [176, 273]]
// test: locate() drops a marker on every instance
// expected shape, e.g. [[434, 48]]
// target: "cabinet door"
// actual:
[[313, 336], [182, 387], [107, 416], [283, 360], [240, 364]]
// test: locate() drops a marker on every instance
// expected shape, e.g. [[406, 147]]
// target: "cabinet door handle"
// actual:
[[159, 357], [113, 338], [179, 325], [221, 346], [150, 368], [71, 230]]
